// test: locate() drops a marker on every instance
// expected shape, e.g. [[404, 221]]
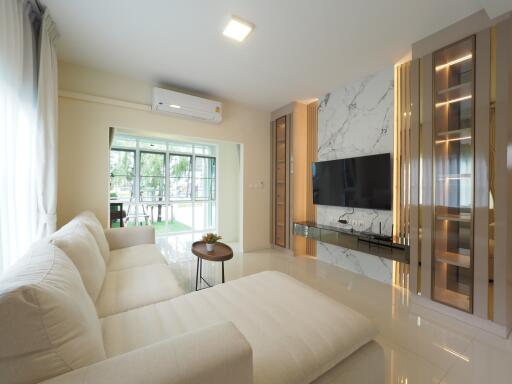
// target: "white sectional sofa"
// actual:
[[95, 306]]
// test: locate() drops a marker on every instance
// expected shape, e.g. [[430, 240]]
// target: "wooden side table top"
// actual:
[[221, 251]]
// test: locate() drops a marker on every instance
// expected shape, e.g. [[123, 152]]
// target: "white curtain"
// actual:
[[46, 142], [27, 129]]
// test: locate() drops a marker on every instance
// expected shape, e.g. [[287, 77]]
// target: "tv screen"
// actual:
[[359, 182]]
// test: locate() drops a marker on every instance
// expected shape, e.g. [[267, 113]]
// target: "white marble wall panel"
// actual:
[[357, 120]]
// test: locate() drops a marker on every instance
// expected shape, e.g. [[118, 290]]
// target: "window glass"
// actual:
[[204, 149], [204, 215], [205, 181], [177, 147], [124, 141], [180, 177], [122, 175], [152, 145], [181, 214], [152, 177]]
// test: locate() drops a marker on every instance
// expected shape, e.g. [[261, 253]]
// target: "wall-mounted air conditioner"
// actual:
[[180, 104]]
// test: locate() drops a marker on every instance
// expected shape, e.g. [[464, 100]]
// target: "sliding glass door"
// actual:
[[168, 184], [180, 192]]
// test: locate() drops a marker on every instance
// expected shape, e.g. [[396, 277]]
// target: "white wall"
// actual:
[[228, 165], [84, 152]]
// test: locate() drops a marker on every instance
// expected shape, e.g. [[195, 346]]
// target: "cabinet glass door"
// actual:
[[452, 266], [280, 183]]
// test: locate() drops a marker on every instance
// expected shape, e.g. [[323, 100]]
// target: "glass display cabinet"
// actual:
[[453, 135], [280, 225]]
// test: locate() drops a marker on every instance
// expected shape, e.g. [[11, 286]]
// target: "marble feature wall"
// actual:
[[357, 120]]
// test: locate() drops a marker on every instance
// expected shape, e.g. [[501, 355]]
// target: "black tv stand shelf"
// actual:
[[366, 242]]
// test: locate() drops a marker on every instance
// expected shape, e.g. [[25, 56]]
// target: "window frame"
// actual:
[[193, 201], [134, 152]]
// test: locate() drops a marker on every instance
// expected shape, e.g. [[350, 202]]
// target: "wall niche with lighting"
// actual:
[[458, 91], [453, 123]]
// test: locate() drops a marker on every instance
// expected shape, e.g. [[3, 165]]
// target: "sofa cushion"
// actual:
[[136, 287], [48, 321], [79, 245], [296, 333], [136, 256], [94, 226]]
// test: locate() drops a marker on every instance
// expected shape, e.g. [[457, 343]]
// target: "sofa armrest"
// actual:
[[128, 237], [218, 354]]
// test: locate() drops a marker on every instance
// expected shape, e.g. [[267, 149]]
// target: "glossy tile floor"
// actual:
[[421, 345]]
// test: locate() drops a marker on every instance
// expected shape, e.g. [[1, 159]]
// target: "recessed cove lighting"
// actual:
[[175, 106], [237, 29]]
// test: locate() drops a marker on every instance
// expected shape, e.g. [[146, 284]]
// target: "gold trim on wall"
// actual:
[[312, 139], [402, 167], [402, 154]]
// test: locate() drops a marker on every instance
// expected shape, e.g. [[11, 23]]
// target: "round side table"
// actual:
[[221, 252]]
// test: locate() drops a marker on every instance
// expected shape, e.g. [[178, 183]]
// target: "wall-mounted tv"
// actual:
[[359, 182]]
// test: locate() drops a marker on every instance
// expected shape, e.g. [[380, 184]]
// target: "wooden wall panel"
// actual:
[[503, 179], [405, 148], [426, 174]]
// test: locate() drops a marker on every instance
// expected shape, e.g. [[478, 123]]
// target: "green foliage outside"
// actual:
[[152, 171], [152, 181]]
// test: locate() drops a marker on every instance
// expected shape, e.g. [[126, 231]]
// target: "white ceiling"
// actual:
[[299, 49]]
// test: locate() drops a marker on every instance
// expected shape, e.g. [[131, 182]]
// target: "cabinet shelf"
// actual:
[[453, 93], [453, 258], [456, 90], [454, 176], [455, 299], [454, 135]]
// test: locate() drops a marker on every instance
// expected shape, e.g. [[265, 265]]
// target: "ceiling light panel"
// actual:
[[237, 29]]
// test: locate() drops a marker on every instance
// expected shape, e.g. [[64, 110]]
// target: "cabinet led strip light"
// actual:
[[456, 61], [453, 101], [454, 139], [461, 177]]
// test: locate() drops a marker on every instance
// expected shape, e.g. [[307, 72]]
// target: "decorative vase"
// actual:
[[209, 247]]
